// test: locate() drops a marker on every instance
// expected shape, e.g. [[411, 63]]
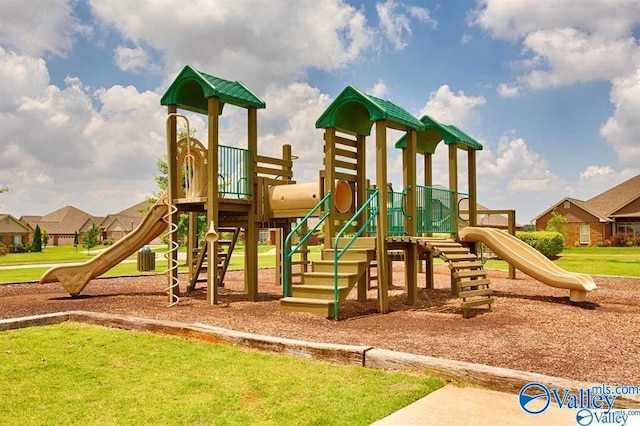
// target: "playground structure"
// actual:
[[363, 225]]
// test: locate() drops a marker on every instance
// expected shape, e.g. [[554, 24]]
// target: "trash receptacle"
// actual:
[[146, 260]]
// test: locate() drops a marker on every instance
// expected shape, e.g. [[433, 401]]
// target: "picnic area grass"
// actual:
[[74, 373]]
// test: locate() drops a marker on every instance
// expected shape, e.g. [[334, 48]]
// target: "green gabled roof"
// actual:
[[354, 111], [191, 88], [434, 132]]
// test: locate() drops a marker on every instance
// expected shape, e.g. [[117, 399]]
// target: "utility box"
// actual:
[[146, 260]]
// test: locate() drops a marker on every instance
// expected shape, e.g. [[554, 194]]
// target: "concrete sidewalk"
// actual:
[[452, 405]]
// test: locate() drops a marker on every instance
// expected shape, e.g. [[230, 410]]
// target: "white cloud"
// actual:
[[277, 44], [508, 90], [466, 38], [74, 141], [128, 59], [451, 108], [395, 21], [379, 89], [597, 171], [21, 76], [566, 56], [39, 26], [622, 129], [514, 19]]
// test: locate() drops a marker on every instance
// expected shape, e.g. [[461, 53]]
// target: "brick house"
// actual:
[[115, 226], [62, 224], [12, 231], [594, 221]]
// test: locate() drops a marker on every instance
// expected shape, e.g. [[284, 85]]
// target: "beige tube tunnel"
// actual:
[[296, 200]]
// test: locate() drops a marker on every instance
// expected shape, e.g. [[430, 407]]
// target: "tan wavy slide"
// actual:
[[530, 261], [74, 277]]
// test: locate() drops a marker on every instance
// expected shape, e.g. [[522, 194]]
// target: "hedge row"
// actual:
[[548, 243]]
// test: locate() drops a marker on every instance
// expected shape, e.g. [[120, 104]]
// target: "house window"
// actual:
[[17, 239], [567, 204], [628, 228], [585, 234], [263, 236]]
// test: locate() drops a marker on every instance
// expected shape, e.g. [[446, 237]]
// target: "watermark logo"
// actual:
[[536, 399], [584, 417]]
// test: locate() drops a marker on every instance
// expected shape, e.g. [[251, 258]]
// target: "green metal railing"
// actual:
[[370, 208], [289, 252], [235, 179], [435, 210]]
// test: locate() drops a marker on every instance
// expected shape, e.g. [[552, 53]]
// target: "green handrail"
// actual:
[[337, 253], [289, 252]]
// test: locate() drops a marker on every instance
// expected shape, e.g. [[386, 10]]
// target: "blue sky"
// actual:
[[551, 88]]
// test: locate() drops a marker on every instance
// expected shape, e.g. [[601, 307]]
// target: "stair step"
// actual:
[[351, 254], [473, 283], [445, 244], [453, 250], [327, 278], [460, 257], [466, 265], [470, 274], [318, 292], [368, 243], [349, 266], [479, 302], [323, 308], [475, 293]]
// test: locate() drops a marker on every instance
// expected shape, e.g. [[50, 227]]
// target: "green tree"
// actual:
[[90, 238], [45, 239], [36, 246], [557, 223]]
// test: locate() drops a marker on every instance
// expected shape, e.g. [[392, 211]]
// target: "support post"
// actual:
[[251, 231], [382, 252], [172, 191], [212, 197], [410, 219], [511, 217], [428, 181], [329, 183], [473, 193], [192, 244], [453, 186]]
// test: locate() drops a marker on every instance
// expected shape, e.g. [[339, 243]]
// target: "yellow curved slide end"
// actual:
[[530, 261], [74, 277]]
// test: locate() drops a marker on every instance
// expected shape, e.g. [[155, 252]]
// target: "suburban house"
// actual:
[[12, 231], [62, 224], [116, 226], [596, 220]]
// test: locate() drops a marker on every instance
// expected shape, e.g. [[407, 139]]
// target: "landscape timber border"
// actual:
[[483, 376]]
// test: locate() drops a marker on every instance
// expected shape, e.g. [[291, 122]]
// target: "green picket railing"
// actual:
[[435, 208], [370, 208], [235, 179], [289, 251]]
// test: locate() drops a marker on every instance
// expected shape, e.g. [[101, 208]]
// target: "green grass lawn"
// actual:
[[621, 261], [75, 374]]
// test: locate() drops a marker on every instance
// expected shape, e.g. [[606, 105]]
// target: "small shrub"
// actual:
[[17, 248], [622, 239], [3, 250], [548, 243]]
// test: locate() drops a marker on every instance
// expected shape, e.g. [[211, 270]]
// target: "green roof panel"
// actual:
[[355, 112], [191, 88], [435, 132]]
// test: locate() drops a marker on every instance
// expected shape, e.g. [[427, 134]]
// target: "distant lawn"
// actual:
[[621, 261], [78, 374]]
